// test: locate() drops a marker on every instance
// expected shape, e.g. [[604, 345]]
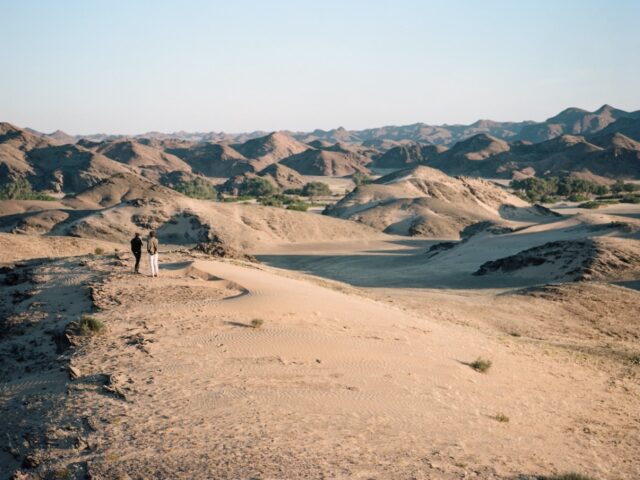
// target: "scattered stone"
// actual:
[[74, 373], [216, 247], [32, 460]]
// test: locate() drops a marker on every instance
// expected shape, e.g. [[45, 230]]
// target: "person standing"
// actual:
[[152, 250], [136, 249]]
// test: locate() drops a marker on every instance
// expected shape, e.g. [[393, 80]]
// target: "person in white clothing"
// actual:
[[152, 250]]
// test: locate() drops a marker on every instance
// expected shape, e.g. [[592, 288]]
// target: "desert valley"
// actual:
[[447, 302]]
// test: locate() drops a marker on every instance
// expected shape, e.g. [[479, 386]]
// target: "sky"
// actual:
[[135, 66]]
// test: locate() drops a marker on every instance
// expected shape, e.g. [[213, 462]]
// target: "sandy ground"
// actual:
[[338, 381], [358, 366]]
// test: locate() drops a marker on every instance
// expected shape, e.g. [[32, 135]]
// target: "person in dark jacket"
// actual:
[[136, 249]]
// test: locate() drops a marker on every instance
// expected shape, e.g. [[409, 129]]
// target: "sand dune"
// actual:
[[333, 383], [426, 202]]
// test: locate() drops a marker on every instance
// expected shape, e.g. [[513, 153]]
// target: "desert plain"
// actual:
[[418, 324]]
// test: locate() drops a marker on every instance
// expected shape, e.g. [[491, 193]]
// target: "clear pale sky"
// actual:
[[135, 66]]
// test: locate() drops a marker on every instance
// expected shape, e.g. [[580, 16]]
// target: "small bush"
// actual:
[[271, 202], [501, 417], [21, 190], [197, 188], [257, 187], [61, 474], [568, 476], [98, 251], [316, 189], [481, 365], [361, 179], [578, 197], [591, 205], [257, 322], [298, 206], [240, 198], [630, 199], [89, 325]]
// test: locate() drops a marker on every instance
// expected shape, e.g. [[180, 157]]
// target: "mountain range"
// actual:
[[600, 146], [572, 121]]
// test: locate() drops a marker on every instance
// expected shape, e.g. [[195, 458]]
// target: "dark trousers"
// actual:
[[137, 255]]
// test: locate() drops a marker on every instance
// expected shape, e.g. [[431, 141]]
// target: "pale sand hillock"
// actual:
[[422, 201]]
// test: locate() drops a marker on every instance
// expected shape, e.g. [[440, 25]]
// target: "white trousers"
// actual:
[[153, 264]]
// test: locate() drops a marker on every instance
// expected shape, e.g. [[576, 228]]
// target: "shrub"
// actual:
[[591, 205], [481, 365], [89, 325], [257, 323], [536, 189], [197, 188], [298, 206], [630, 199], [271, 202], [568, 476], [293, 191], [360, 178], [501, 417], [240, 198], [257, 187], [316, 189], [98, 251], [578, 197], [620, 187], [21, 190]]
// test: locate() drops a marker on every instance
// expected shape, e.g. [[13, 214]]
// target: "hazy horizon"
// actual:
[[210, 66]]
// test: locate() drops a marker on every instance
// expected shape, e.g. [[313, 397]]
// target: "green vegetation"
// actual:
[[591, 204], [21, 190], [257, 322], [90, 325], [281, 200], [257, 187], [621, 187], [274, 201], [197, 188], [630, 199], [481, 365], [239, 198], [316, 189], [568, 476], [361, 179], [500, 417], [98, 251], [547, 190], [298, 206]]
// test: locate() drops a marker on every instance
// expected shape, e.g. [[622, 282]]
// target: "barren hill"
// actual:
[[140, 156], [630, 127], [325, 162], [404, 156], [270, 149], [15, 143], [282, 176], [70, 168], [213, 159], [573, 121]]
